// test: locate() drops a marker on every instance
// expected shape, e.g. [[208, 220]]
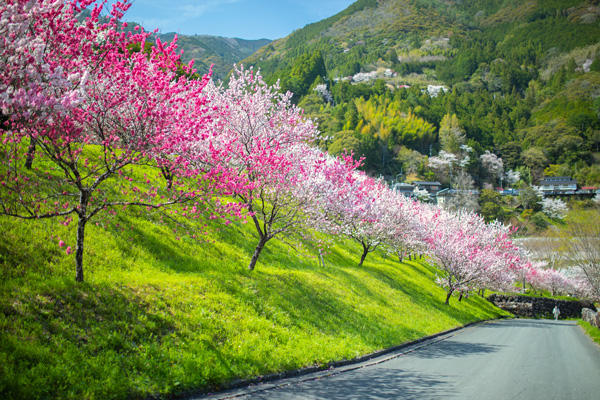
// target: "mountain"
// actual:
[[414, 35], [518, 78], [206, 49], [221, 51], [360, 35]]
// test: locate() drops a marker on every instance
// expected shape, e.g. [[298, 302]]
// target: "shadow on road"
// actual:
[[450, 348], [377, 383]]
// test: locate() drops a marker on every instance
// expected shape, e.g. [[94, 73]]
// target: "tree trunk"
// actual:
[[30, 154], [400, 256], [364, 254], [79, 251], [409, 257], [84, 198], [166, 173], [460, 297], [448, 296], [321, 260], [257, 250]]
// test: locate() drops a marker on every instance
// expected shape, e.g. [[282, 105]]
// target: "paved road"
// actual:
[[510, 359]]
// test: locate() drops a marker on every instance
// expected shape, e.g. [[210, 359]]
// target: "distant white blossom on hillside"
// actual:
[[435, 90], [421, 194], [443, 161], [554, 208], [364, 76], [324, 92], [492, 163], [512, 176]]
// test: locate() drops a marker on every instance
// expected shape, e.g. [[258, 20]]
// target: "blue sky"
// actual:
[[246, 19]]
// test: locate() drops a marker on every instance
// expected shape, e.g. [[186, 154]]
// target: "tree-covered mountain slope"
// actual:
[[520, 77], [219, 51]]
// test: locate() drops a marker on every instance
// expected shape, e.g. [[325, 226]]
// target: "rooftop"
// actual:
[[426, 183], [557, 179]]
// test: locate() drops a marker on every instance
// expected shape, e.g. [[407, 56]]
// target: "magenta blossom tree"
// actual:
[[94, 109]]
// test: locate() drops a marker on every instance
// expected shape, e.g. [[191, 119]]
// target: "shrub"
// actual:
[[539, 220]]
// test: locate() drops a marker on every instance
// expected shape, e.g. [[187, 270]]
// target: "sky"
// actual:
[[245, 19]]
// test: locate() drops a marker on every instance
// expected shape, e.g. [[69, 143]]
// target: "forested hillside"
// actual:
[[221, 52], [517, 78]]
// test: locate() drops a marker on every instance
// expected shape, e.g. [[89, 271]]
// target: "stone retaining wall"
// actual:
[[591, 316], [539, 307]]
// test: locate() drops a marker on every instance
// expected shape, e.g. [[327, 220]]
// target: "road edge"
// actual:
[[242, 387]]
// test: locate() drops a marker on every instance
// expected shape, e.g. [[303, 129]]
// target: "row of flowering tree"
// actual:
[[92, 125]]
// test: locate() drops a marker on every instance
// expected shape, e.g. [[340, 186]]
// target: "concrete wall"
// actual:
[[539, 307]]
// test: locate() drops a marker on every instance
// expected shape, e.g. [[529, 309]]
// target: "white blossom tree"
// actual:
[[512, 177], [554, 208], [492, 164], [422, 194]]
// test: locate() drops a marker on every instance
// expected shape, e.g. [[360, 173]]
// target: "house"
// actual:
[[446, 194], [435, 90], [404, 189], [431, 187], [557, 185], [509, 192], [586, 192]]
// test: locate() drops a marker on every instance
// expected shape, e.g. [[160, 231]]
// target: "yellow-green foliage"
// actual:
[[382, 117]]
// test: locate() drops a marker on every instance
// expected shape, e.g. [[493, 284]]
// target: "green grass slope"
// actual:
[[160, 316]]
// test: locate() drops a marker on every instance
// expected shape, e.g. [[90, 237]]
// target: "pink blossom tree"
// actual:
[[402, 212], [41, 52], [356, 210], [470, 252], [264, 139]]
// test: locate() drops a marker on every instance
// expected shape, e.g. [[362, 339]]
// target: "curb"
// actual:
[[226, 391]]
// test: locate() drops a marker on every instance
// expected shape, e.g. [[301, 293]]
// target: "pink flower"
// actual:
[[69, 250], [61, 243]]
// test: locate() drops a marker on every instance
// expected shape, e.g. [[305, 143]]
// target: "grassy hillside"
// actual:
[[160, 316], [590, 330]]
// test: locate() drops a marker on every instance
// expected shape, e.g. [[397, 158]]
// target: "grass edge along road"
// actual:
[[160, 316], [590, 330]]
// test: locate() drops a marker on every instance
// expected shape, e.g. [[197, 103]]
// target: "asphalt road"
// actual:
[[509, 359]]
